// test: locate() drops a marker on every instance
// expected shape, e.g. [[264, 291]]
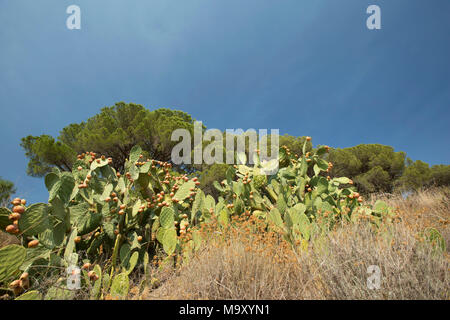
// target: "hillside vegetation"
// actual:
[[115, 130], [247, 265], [141, 227]]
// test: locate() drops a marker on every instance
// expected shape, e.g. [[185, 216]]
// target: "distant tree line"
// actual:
[[116, 129], [378, 168]]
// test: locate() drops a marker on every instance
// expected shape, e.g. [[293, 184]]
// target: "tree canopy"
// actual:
[[112, 132], [116, 129], [373, 167], [419, 174], [7, 189]]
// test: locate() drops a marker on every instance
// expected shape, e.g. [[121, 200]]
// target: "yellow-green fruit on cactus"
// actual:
[[260, 181]]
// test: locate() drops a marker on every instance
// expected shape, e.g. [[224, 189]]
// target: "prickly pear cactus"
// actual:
[[35, 219], [294, 198], [150, 209], [11, 258]]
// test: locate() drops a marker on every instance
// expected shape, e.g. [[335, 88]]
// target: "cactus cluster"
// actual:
[[300, 198], [98, 211], [95, 211]]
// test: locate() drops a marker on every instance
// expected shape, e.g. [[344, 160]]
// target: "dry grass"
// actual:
[[246, 263], [426, 208], [237, 265], [6, 239]]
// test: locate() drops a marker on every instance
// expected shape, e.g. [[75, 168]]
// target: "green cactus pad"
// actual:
[[11, 258], [160, 234], [132, 262], [59, 292], [135, 152], [70, 245], [218, 186], [96, 288], [210, 203], [50, 180], [34, 254], [106, 191], [224, 217], [342, 180], [63, 187], [120, 286], [30, 295], [85, 220], [198, 204], [35, 219], [125, 254], [274, 216], [54, 236], [184, 190], [169, 241], [166, 217]]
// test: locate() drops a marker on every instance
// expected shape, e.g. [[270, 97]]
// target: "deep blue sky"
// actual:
[[307, 67]]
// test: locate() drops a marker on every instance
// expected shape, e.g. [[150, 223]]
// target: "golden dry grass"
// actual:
[[426, 208], [246, 263]]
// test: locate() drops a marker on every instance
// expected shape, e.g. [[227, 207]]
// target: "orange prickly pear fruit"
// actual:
[[33, 243], [12, 229], [16, 201], [19, 209], [14, 216], [92, 275], [86, 266], [16, 287]]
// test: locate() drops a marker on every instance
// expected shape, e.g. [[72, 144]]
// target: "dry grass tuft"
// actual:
[[423, 209], [247, 263]]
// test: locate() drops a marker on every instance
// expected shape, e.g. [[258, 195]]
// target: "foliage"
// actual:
[[295, 144], [150, 210], [418, 175], [6, 190], [112, 132], [415, 176], [373, 167], [97, 210], [292, 200], [440, 175], [215, 172], [116, 129]]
